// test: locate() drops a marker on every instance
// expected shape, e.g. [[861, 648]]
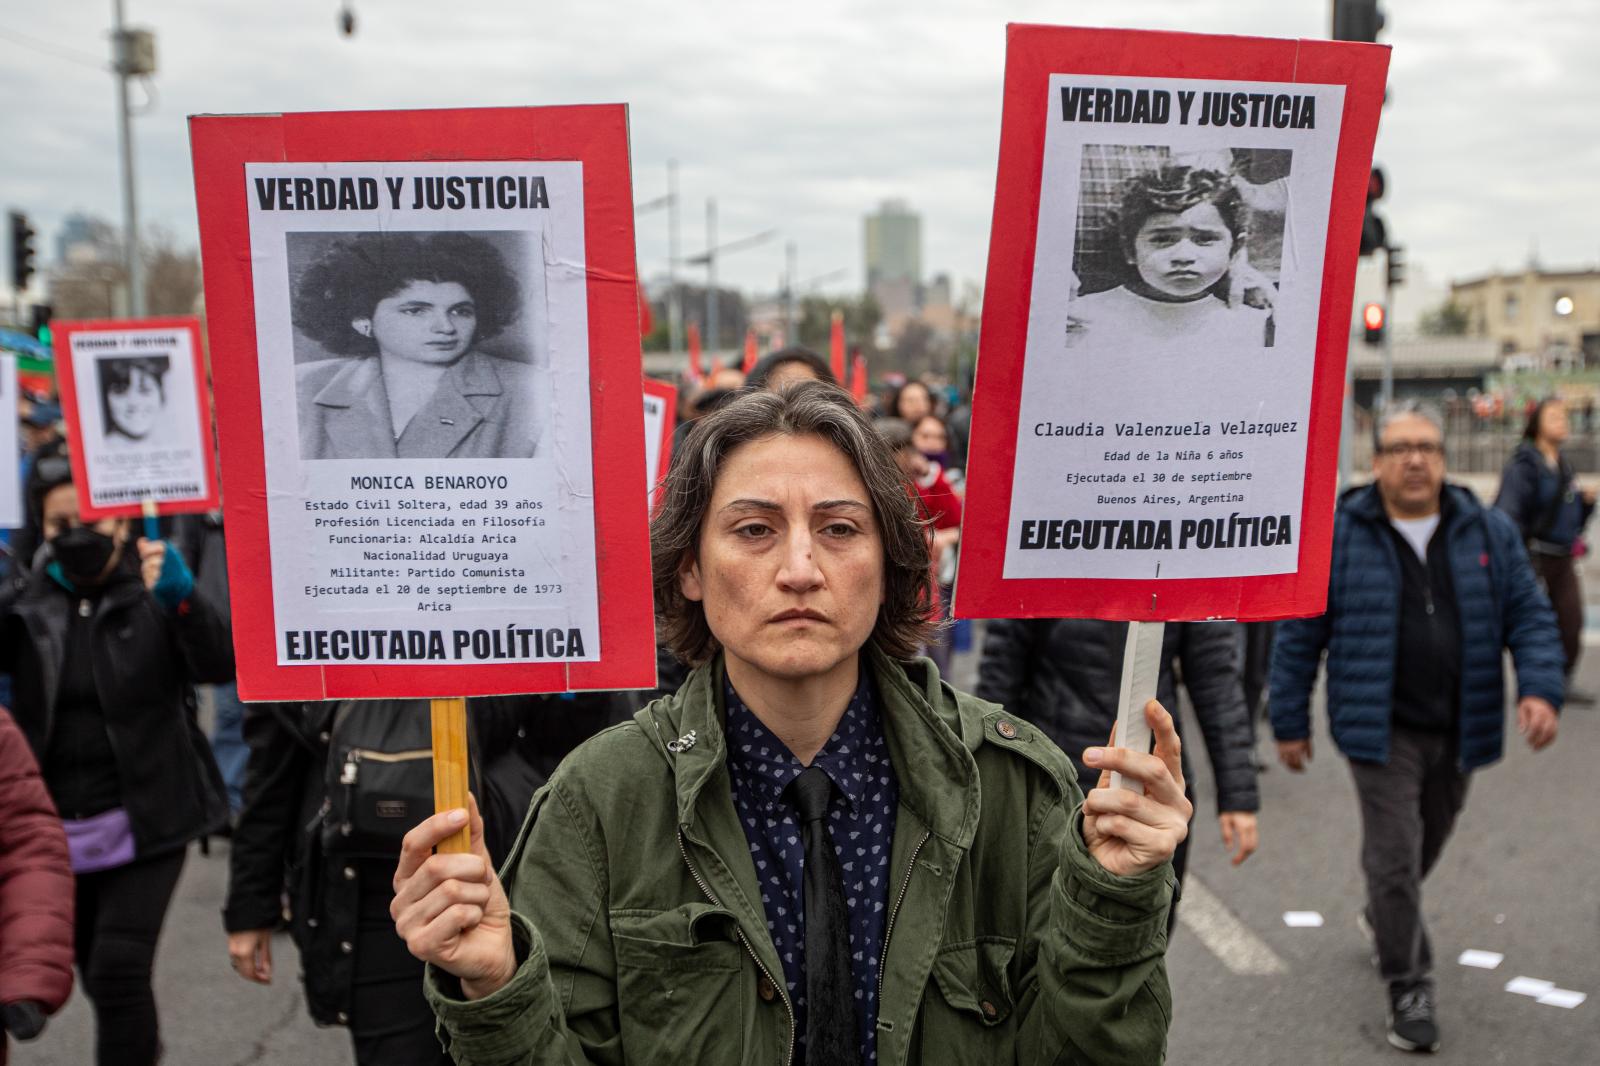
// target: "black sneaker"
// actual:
[[1411, 1024]]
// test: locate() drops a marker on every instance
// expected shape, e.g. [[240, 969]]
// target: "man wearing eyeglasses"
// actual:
[[1426, 589]]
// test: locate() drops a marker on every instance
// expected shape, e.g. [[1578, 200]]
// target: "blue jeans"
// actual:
[[227, 742]]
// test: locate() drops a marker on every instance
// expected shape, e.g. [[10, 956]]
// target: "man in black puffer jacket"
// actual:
[[1064, 675]]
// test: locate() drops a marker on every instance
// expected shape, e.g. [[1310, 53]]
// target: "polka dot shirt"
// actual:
[[861, 823]]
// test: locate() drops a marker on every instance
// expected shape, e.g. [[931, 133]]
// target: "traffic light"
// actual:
[[21, 251], [1356, 20], [1374, 234], [1372, 320], [42, 313], [1396, 266]]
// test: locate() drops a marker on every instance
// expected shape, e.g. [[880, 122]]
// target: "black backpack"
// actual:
[[378, 777]]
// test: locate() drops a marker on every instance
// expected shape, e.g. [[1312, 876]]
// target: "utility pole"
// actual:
[[711, 275], [708, 259], [674, 297], [791, 321], [133, 54]]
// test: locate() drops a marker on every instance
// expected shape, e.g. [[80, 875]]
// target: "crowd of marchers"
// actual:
[[805, 845]]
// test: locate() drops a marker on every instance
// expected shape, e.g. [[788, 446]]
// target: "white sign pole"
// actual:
[[1141, 670]]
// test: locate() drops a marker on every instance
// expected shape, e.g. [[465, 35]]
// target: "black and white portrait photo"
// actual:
[[415, 345], [1177, 248], [133, 400]]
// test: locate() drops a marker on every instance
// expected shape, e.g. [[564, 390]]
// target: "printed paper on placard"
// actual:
[[427, 463], [1173, 328]]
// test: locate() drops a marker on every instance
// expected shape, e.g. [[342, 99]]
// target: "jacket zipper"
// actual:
[[888, 930], [781, 988]]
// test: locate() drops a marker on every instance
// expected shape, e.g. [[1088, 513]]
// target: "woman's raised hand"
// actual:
[[1128, 833], [450, 909]]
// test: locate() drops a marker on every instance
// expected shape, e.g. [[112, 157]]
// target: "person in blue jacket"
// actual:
[[1426, 589]]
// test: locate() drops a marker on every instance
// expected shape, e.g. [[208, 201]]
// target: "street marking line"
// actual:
[[1302, 919], [1234, 945]]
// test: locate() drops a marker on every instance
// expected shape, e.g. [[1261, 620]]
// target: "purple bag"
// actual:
[[99, 843]]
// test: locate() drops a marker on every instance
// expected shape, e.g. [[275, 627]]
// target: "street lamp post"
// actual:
[[708, 259], [674, 297], [711, 275], [133, 55]]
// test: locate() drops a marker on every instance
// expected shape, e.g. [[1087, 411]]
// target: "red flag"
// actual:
[[858, 379], [647, 321], [752, 350], [836, 346], [696, 372]]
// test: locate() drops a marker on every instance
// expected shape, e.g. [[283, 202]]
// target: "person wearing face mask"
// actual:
[[104, 637]]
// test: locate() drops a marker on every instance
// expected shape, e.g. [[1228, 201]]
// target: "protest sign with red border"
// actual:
[[151, 373], [516, 165], [1062, 79], [658, 427]]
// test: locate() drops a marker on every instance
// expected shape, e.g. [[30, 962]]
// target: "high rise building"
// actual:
[[893, 244]]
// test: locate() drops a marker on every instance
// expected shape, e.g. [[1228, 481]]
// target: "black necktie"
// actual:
[[830, 989]]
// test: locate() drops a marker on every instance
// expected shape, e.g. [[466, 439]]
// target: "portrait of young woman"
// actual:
[[133, 399], [404, 316], [816, 851]]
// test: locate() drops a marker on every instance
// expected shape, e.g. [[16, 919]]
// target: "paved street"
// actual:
[[1520, 877]]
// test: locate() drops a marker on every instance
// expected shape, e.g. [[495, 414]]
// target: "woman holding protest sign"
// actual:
[[815, 851], [404, 312], [105, 638]]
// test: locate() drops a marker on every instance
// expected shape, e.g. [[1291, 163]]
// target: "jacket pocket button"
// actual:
[[349, 873], [765, 989], [346, 947], [344, 1019], [989, 1013]]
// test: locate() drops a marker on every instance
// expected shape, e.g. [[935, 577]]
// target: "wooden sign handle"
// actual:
[[450, 766]]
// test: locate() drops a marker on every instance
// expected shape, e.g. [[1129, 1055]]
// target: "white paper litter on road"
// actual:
[[1562, 997], [1482, 960], [1529, 986], [1303, 920]]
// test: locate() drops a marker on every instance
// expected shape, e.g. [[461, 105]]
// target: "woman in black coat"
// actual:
[[1064, 675], [356, 969], [105, 638], [1539, 490]]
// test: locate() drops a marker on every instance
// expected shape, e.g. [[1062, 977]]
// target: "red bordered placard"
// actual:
[[593, 136], [1034, 54], [171, 404], [667, 394]]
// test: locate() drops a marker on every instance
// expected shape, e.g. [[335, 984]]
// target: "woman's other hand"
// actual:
[[450, 909], [1128, 833], [250, 951]]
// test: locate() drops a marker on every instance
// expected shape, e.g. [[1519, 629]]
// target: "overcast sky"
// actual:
[[804, 116]]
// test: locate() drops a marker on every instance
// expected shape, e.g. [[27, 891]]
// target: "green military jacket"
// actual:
[[642, 938]]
